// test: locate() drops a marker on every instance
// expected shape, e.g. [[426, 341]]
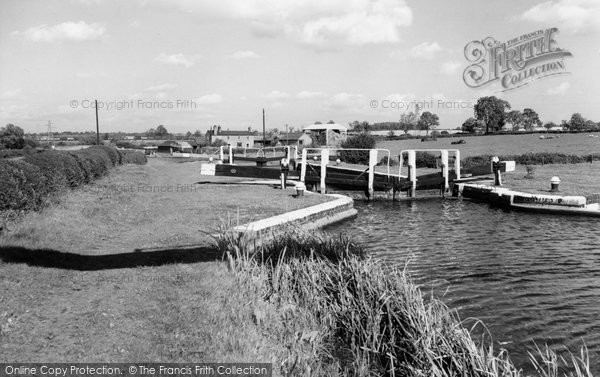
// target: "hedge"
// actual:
[[26, 184]]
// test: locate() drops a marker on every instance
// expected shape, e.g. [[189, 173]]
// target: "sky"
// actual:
[[189, 64]]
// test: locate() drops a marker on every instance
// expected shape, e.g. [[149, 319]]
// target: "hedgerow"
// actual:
[[26, 184]]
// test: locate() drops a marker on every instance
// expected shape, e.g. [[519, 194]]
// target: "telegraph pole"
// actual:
[[97, 127], [264, 132]]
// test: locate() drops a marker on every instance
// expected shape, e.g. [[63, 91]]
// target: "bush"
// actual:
[[60, 169], [112, 153], [22, 186], [361, 141], [133, 157]]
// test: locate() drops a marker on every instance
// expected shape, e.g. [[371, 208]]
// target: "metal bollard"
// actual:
[[554, 182], [285, 168]]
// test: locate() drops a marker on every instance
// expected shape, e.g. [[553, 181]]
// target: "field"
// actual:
[[123, 270], [577, 144]]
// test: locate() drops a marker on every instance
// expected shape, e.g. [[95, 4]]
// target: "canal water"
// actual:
[[529, 278]]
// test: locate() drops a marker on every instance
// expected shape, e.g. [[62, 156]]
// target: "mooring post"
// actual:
[[303, 167], [372, 163], [288, 152], [221, 153], [496, 170], [295, 155], [324, 162], [231, 154], [457, 164], [446, 185], [412, 173], [285, 167]]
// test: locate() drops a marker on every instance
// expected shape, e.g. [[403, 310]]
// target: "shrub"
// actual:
[[22, 185], [60, 168], [111, 152], [361, 141], [133, 157]]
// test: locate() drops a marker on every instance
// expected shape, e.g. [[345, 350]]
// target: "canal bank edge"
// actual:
[[312, 217]]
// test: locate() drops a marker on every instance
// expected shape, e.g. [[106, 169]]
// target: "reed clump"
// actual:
[[342, 313]]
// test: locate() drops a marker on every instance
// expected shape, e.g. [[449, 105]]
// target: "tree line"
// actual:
[[492, 115]]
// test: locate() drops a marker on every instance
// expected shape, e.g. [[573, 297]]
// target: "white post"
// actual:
[[303, 167], [324, 162], [401, 162], [295, 155], [412, 172], [245, 151], [231, 154], [457, 164], [445, 170], [221, 153], [372, 163], [288, 152]]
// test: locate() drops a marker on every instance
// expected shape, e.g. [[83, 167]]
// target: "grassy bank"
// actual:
[[338, 313], [122, 269]]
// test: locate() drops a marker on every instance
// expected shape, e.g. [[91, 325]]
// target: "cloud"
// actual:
[[244, 55], [560, 89], [576, 16], [276, 94], [210, 99], [425, 50], [66, 31], [10, 94], [314, 22], [177, 59], [305, 94], [450, 67], [160, 87], [349, 101]]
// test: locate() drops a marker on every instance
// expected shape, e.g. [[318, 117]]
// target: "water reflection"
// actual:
[[528, 277]]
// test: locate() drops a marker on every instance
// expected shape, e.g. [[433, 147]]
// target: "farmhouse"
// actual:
[[233, 138]]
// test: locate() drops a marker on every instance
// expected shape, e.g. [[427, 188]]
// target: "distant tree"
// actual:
[[161, 131], [12, 137], [531, 119], [549, 125], [576, 123], [471, 125], [198, 133], [391, 134], [317, 122], [151, 132], [492, 112], [357, 126], [428, 121], [408, 121], [361, 141], [188, 135], [331, 122], [515, 118], [107, 136]]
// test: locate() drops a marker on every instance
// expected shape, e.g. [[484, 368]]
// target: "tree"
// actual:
[[331, 122], [515, 118], [188, 135], [357, 126], [198, 133], [531, 119], [391, 134], [471, 125], [151, 132], [428, 121], [161, 131], [11, 137], [492, 112], [549, 125], [576, 123]]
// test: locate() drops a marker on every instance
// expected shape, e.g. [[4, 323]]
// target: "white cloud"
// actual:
[[10, 94], [344, 100], [73, 31], [573, 15], [425, 50], [560, 89], [315, 22], [450, 67], [244, 55], [305, 94], [210, 99], [276, 94], [160, 87], [177, 59]]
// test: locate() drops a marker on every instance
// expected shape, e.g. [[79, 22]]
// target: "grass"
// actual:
[[113, 273], [354, 316]]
